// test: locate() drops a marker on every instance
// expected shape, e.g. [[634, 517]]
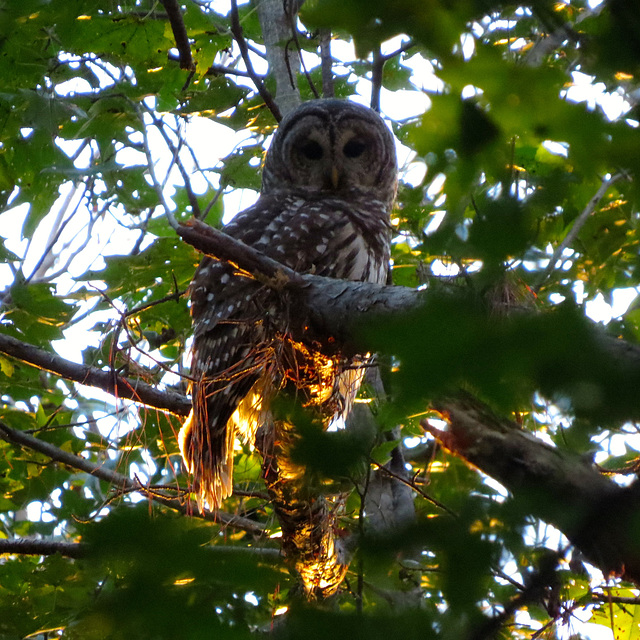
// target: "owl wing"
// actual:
[[235, 317]]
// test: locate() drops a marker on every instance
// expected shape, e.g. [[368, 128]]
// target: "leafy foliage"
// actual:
[[518, 154]]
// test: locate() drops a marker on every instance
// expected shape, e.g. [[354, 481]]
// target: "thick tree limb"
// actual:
[[109, 381], [598, 516], [122, 482], [340, 308], [334, 306]]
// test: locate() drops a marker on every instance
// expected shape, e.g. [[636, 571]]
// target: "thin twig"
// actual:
[[236, 30], [220, 69], [157, 186], [577, 225], [534, 591], [175, 152], [413, 486], [58, 227], [307, 75], [216, 69], [175, 296]]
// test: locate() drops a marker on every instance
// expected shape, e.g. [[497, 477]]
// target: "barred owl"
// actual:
[[328, 185]]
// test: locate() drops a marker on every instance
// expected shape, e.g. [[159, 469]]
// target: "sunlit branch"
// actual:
[[222, 246], [336, 304], [121, 482]]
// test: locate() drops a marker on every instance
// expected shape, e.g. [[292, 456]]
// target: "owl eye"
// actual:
[[354, 148], [312, 150]]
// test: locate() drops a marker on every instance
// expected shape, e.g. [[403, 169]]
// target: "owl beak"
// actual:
[[335, 177]]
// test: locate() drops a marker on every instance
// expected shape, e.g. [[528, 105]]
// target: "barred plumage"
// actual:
[[327, 190]]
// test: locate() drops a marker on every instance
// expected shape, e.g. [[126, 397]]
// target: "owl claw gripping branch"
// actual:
[[328, 186]]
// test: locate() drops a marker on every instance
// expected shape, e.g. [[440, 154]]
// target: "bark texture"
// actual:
[[598, 516]]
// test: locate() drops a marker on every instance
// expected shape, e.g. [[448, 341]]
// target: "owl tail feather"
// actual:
[[209, 458]]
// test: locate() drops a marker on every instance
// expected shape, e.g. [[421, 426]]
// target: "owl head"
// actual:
[[332, 147]]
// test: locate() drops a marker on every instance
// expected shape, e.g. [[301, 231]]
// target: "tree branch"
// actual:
[[579, 222], [598, 516], [236, 30], [336, 307], [277, 26], [38, 547], [109, 381], [180, 34], [30, 547], [340, 309], [326, 62], [122, 482]]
